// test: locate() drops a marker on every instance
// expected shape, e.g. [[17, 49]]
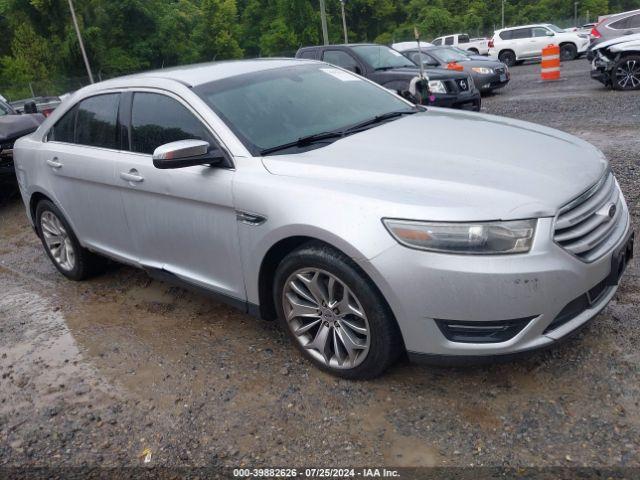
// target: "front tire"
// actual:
[[625, 75], [334, 315], [62, 246]]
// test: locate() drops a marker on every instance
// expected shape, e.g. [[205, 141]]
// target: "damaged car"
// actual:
[[13, 125], [616, 63]]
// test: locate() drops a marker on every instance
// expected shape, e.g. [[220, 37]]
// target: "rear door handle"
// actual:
[[54, 163], [132, 176]]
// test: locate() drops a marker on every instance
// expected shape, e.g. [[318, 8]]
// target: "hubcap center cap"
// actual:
[[328, 315]]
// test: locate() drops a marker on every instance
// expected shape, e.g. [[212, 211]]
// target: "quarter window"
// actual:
[[157, 119], [96, 121], [64, 129], [340, 59]]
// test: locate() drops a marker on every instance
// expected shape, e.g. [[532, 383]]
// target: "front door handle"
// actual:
[[132, 176], [54, 163]]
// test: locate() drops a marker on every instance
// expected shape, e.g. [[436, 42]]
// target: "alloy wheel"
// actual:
[[628, 74], [57, 241], [326, 318]]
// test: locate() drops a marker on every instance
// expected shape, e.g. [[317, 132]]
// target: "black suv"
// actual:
[[391, 69]]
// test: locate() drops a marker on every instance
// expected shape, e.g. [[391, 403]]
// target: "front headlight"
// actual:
[[479, 238], [482, 70], [436, 86]]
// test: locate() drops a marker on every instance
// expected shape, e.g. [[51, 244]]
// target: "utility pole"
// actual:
[[503, 13], [323, 18], [575, 14], [344, 22], [84, 54]]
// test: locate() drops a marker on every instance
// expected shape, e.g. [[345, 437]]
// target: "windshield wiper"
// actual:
[[303, 141], [379, 119], [317, 137]]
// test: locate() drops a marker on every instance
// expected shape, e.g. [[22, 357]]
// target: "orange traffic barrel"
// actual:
[[550, 63]]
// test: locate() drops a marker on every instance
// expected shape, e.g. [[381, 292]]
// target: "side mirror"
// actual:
[[186, 153], [550, 34], [30, 107]]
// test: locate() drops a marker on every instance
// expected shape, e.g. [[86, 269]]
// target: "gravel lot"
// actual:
[[94, 373]]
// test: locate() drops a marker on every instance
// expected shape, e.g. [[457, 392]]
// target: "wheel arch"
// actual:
[[34, 200], [280, 249]]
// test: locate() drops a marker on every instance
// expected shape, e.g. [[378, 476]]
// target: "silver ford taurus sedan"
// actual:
[[295, 190]]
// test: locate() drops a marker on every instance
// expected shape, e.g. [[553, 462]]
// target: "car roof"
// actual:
[[200, 73], [621, 15], [523, 26]]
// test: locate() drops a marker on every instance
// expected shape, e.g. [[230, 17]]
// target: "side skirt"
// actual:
[[168, 277]]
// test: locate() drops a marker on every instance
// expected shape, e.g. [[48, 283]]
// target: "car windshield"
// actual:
[[447, 55], [554, 28], [274, 107], [466, 53], [4, 109], [380, 57]]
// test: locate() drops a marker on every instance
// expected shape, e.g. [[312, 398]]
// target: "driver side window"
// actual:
[[157, 119], [540, 32]]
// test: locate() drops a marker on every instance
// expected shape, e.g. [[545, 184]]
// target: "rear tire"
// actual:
[[625, 74], [568, 51], [341, 322], [62, 246], [507, 57]]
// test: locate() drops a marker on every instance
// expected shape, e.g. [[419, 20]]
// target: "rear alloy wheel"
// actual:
[[568, 51], [508, 58], [62, 246], [334, 314], [626, 73]]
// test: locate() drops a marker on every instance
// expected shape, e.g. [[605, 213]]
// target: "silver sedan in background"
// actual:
[[296, 190]]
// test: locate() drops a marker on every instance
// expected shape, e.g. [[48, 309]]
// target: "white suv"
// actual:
[[515, 44]]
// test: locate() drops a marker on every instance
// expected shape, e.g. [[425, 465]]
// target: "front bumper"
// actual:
[[463, 101], [424, 287], [492, 81], [601, 70], [7, 168]]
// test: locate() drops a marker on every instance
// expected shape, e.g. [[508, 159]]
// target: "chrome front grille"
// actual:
[[590, 225]]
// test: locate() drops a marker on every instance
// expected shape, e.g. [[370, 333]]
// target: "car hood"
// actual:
[[432, 73], [455, 166], [631, 39], [15, 126], [469, 64]]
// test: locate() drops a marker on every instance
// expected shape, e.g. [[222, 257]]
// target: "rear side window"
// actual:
[[341, 59], [633, 21], [619, 24], [64, 129], [508, 35], [521, 33], [308, 54], [157, 119], [448, 41], [96, 121], [463, 38]]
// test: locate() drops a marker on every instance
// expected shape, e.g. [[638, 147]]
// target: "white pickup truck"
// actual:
[[479, 46]]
